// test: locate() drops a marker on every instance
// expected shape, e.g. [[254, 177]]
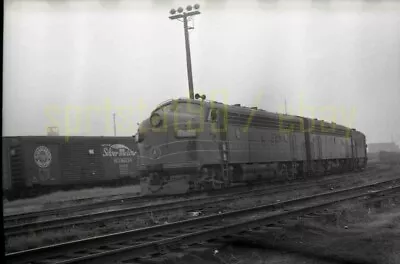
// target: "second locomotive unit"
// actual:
[[187, 145]]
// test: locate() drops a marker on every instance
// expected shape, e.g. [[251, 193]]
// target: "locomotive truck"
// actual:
[[188, 145]]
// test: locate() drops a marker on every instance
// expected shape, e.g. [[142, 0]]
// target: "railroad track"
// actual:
[[31, 216], [143, 243], [199, 203], [187, 205], [123, 201], [11, 220]]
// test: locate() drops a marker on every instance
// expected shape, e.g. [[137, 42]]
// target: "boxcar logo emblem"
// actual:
[[42, 156]]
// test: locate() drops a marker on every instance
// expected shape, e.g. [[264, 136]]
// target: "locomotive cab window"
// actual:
[[213, 115], [181, 108], [188, 108]]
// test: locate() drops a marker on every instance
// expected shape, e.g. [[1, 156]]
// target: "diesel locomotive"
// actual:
[[188, 145]]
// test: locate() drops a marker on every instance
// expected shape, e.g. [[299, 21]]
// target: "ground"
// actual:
[[355, 233], [363, 234], [66, 198]]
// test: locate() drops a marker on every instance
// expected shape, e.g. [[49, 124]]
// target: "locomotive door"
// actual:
[[220, 126], [293, 146], [319, 147], [353, 148], [354, 151]]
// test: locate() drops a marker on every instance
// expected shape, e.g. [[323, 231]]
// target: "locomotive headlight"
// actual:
[[155, 120]]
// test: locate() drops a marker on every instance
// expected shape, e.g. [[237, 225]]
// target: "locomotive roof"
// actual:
[[243, 110]]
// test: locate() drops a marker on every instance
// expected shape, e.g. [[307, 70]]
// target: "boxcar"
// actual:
[[38, 164]]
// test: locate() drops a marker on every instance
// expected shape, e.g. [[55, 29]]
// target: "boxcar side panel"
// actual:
[[6, 171], [119, 157], [72, 161]]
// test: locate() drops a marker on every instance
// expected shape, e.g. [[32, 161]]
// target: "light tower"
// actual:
[[185, 14], [115, 126]]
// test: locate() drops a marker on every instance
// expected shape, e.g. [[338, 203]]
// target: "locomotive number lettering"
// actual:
[[278, 138]]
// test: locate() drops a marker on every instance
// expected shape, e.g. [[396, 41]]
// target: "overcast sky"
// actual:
[[72, 64]]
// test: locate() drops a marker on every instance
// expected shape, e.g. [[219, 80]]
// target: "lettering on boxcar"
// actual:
[[42, 157], [122, 160], [123, 169], [120, 153]]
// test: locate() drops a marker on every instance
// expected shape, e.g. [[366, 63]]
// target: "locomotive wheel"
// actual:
[[205, 183], [283, 171], [217, 179], [210, 179]]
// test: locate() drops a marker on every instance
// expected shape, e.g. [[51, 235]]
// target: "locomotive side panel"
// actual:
[[239, 142], [359, 149], [178, 146], [259, 147], [207, 146], [340, 143], [269, 145], [155, 150], [348, 147], [326, 153], [315, 146], [298, 142], [333, 147], [361, 145]]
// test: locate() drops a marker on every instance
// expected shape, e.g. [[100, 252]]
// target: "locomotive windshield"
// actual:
[[180, 107]]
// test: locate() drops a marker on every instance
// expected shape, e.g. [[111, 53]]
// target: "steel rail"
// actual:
[[92, 206], [11, 220], [140, 242], [101, 204], [190, 204]]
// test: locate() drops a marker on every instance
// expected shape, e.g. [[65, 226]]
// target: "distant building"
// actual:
[[377, 147], [53, 131]]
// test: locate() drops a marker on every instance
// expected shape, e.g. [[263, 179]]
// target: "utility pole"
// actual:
[[285, 107], [115, 126], [185, 15]]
